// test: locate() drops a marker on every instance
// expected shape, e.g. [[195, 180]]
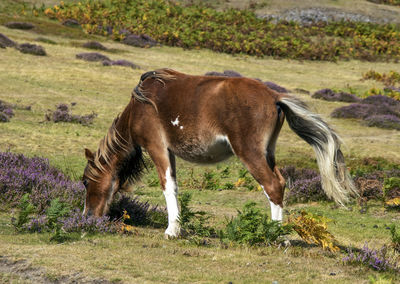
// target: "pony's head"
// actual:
[[116, 165], [101, 184]]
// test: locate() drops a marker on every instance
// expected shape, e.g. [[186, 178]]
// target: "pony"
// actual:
[[206, 119]]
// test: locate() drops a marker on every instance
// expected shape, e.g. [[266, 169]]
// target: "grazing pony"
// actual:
[[206, 119]]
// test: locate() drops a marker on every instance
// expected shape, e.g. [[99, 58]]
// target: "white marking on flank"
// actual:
[[176, 121], [181, 127], [170, 194]]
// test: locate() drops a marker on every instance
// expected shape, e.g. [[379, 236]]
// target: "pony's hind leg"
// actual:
[[270, 181], [164, 161]]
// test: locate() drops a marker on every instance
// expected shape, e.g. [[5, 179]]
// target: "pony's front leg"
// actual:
[[165, 164]]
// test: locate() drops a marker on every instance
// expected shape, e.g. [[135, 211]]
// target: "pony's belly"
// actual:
[[216, 152]]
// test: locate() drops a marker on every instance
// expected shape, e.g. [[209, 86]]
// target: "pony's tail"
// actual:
[[335, 178]]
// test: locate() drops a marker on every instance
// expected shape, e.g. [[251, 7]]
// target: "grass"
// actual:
[[146, 257]]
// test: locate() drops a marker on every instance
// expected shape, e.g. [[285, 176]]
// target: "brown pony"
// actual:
[[206, 119]]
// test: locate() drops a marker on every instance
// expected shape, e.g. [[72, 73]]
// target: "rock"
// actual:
[[92, 56], [139, 41], [121, 62], [5, 41], [32, 49], [94, 45], [19, 25], [71, 23]]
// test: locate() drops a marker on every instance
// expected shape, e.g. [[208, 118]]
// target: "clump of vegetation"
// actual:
[[62, 114], [193, 223], [92, 56], [376, 259], [389, 79], [6, 111], [304, 185], [253, 227], [380, 111], [231, 31], [395, 238], [94, 45], [6, 42], [141, 213], [121, 62], [330, 95], [19, 25], [313, 229], [210, 181], [142, 40], [32, 49]]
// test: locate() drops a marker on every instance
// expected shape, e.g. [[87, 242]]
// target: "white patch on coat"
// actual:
[[276, 210], [181, 127], [176, 121], [170, 194]]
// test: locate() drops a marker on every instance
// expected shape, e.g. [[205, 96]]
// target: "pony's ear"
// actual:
[[89, 155]]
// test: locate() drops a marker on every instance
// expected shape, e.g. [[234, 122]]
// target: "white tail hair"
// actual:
[[335, 178]]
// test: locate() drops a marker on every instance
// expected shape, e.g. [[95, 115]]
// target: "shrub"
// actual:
[[20, 175], [31, 49], [231, 31], [253, 227], [210, 180], [378, 110], [139, 40], [313, 229], [389, 79], [330, 95], [303, 184], [383, 121], [141, 213], [121, 62], [5, 41], [62, 114], [376, 259], [19, 25], [94, 45], [92, 56], [6, 111], [391, 187]]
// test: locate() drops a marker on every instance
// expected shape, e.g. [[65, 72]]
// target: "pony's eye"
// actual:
[[85, 183]]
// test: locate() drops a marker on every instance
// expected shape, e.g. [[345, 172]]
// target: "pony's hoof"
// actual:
[[170, 237]]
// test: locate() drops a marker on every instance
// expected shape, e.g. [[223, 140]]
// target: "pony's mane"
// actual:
[[112, 144], [161, 76]]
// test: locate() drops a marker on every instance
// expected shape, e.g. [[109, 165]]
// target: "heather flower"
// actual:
[[20, 175], [376, 259], [330, 95], [383, 121], [304, 185], [76, 222], [62, 114]]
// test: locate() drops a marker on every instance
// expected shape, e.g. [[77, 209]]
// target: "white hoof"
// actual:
[[172, 231]]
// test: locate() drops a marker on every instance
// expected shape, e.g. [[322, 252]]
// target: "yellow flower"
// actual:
[[240, 182]]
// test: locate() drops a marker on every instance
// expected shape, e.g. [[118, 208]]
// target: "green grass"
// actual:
[[146, 257]]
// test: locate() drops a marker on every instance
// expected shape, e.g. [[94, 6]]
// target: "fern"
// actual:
[[252, 226], [193, 222], [314, 229], [56, 211], [395, 238], [26, 208]]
